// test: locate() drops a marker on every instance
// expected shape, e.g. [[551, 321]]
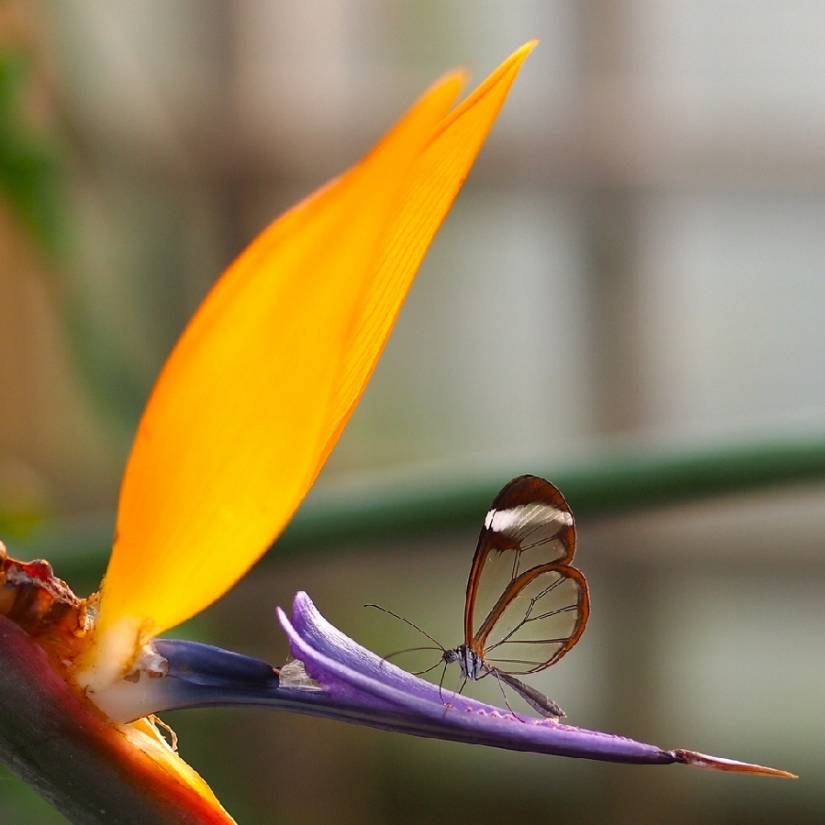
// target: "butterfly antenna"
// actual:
[[411, 624]]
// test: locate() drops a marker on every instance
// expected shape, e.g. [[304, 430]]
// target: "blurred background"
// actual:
[[634, 271]]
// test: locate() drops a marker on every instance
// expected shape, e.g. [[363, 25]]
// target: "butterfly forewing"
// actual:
[[525, 605]]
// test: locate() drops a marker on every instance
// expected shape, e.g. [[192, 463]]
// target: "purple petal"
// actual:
[[351, 674]]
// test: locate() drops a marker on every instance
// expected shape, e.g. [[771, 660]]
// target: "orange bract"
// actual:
[[261, 383]]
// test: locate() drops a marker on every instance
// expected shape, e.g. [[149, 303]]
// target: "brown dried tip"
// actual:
[[715, 763], [44, 607]]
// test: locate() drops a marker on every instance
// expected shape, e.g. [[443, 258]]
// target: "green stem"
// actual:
[[385, 507]]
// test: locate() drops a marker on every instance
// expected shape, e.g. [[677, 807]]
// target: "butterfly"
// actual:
[[526, 605]]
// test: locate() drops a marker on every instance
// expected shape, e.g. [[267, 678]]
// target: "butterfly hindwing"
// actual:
[[539, 617]]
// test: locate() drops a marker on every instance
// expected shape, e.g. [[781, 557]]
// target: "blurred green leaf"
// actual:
[[29, 169]]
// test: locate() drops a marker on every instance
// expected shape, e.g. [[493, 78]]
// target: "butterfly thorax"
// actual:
[[471, 664]]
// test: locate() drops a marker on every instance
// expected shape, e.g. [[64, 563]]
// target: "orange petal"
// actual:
[[265, 375], [435, 180]]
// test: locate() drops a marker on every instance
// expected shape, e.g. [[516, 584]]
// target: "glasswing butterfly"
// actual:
[[526, 605]]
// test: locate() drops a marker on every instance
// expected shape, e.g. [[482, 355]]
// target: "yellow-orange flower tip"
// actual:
[[263, 379]]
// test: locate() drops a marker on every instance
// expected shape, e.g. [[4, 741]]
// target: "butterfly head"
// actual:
[[471, 664]]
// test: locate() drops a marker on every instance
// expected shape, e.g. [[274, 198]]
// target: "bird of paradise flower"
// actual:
[[240, 422]]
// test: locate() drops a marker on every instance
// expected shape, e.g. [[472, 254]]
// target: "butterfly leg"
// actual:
[[504, 696], [441, 687], [428, 670], [460, 690]]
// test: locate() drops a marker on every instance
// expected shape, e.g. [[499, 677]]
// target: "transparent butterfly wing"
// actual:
[[526, 606], [539, 617]]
